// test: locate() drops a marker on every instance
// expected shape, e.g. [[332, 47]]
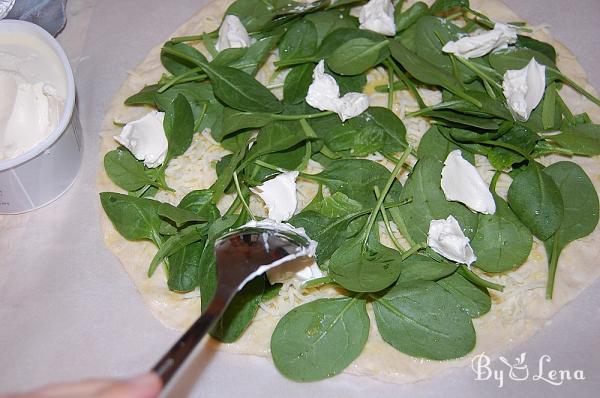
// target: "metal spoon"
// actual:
[[241, 255]]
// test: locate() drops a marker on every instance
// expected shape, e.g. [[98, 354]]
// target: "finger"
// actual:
[[86, 388], [144, 386]]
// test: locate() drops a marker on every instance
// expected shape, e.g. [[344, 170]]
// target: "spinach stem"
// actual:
[[386, 222], [441, 105], [239, 192], [234, 206], [307, 129], [390, 99], [329, 153], [300, 117], [296, 61], [413, 250], [384, 193], [476, 279], [483, 76], [399, 221], [508, 146], [317, 282], [577, 87], [411, 87], [175, 79], [552, 267], [565, 110]]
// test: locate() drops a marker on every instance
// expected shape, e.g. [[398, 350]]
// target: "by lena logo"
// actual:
[[519, 370]]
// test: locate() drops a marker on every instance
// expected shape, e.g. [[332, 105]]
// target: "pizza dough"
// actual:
[[516, 314]]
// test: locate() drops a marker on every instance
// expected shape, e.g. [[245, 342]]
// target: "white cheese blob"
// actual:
[[481, 44], [232, 34], [33, 88], [145, 138], [446, 238], [279, 195], [462, 183], [301, 270], [324, 94], [378, 16], [524, 89]]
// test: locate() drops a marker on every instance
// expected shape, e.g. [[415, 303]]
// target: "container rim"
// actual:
[[35, 30]]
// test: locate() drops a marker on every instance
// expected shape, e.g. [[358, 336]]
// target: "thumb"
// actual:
[[147, 385]]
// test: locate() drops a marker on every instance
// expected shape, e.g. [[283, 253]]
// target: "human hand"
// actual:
[[144, 386]]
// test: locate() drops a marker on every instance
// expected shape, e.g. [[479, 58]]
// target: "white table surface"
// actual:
[[68, 309]]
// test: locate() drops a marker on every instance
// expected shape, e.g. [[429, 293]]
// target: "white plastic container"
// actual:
[[46, 171]]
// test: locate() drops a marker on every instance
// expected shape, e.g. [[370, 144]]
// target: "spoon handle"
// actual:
[[168, 365]]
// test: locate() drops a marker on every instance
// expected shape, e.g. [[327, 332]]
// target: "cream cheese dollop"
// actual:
[[447, 239], [462, 183], [33, 90], [145, 138], [279, 195], [483, 43], [324, 94], [232, 34], [524, 89], [378, 16]]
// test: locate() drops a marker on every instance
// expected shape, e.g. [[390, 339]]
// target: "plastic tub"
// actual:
[[46, 171]]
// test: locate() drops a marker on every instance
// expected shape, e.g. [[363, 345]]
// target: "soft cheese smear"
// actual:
[[232, 34], [279, 195], [462, 183], [324, 94], [524, 89], [481, 44], [300, 266], [32, 93], [145, 138], [446, 238], [378, 16]]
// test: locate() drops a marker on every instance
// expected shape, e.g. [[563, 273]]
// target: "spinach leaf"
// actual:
[[240, 311], [422, 267], [517, 58], [293, 158], [517, 136], [277, 136], [356, 178], [336, 205], [536, 200], [297, 82], [256, 15], [177, 65], [422, 319], [357, 56], [581, 139], [125, 170], [134, 218], [502, 242], [364, 270], [464, 119], [474, 300], [300, 41], [580, 211], [255, 56], [536, 45], [143, 97], [199, 202], [326, 22], [179, 127], [320, 339], [443, 6], [429, 202], [434, 145], [426, 72], [234, 87], [179, 215], [174, 243], [329, 231], [405, 19], [183, 267], [234, 120]]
